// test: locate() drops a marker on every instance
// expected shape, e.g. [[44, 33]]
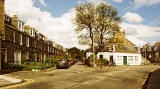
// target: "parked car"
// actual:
[[62, 64], [72, 62]]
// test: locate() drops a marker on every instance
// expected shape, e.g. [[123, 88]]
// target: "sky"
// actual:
[[53, 18]]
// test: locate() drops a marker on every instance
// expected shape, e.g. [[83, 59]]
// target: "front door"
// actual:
[[124, 60], [111, 58], [4, 55]]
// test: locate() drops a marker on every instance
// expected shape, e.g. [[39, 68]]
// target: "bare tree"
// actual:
[[96, 23], [107, 20]]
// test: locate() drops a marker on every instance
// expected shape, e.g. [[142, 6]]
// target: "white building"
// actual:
[[121, 56]]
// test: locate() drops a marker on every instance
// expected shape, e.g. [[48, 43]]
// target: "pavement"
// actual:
[[6, 80], [154, 81], [80, 76]]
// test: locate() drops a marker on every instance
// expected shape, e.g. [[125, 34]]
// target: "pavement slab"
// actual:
[[6, 80]]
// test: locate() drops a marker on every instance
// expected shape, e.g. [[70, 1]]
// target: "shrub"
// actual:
[[33, 65], [51, 61], [104, 61], [12, 66]]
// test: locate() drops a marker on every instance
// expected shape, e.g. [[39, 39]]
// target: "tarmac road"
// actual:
[[80, 76]]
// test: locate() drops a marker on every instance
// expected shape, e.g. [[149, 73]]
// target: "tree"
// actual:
[[96, 23], [84, 21], [75, 53], [146, 47], [107, 20]]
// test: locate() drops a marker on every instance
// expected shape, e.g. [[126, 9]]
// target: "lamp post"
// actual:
[[93, 50]]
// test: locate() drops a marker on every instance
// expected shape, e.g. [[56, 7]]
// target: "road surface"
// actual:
[[80, 76]]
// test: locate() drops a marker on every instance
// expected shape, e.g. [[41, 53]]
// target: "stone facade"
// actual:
[[24, 44], [151, 52], [1, 17], [1, 24]]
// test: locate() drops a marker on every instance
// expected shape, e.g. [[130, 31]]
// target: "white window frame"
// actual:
[[136, 59], [130, 60]]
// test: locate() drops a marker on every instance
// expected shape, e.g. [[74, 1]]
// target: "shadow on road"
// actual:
[[152, 81]]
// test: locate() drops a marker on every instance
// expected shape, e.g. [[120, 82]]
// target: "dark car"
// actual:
[[62, 64]]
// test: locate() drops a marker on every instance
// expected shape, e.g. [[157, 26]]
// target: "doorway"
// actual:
[[111, 58], [17, 57], [4, 55], [124, 60]]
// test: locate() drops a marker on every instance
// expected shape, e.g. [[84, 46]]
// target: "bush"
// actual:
[[87, 62], [50, 61], [105, 61], [12, 66], [33, 65], [154, 60]]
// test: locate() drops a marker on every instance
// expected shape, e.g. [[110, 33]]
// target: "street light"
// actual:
[[94, 64]]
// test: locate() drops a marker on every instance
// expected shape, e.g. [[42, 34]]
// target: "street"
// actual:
[[80, 76]]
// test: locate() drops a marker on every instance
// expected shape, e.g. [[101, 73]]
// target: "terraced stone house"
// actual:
[[1, 24], [25, 44]]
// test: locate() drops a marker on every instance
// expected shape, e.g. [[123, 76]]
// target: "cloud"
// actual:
[[136, 41], [140, 34], [43, 2], [141, 3], [158, 19], [96, 1], [131, 31], [133, 17], [59, 29], [118, 1]]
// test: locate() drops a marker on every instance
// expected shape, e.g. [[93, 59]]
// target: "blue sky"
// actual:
[[60, 7], [140, 18]]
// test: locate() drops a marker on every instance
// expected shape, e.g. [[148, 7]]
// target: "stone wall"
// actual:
[[1, 24]]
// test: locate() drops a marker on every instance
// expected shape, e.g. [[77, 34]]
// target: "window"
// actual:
[[20, 25], [27, 41], [35, 57], [130, 60], [31, 31], [14, 39], [119, 60], [157, 54], [20, 39], [150, 55], [136, 59], [4, 36], [17, 57], [27, 55], [4, 55], [35, 44], [48, 48], [101, 56]]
